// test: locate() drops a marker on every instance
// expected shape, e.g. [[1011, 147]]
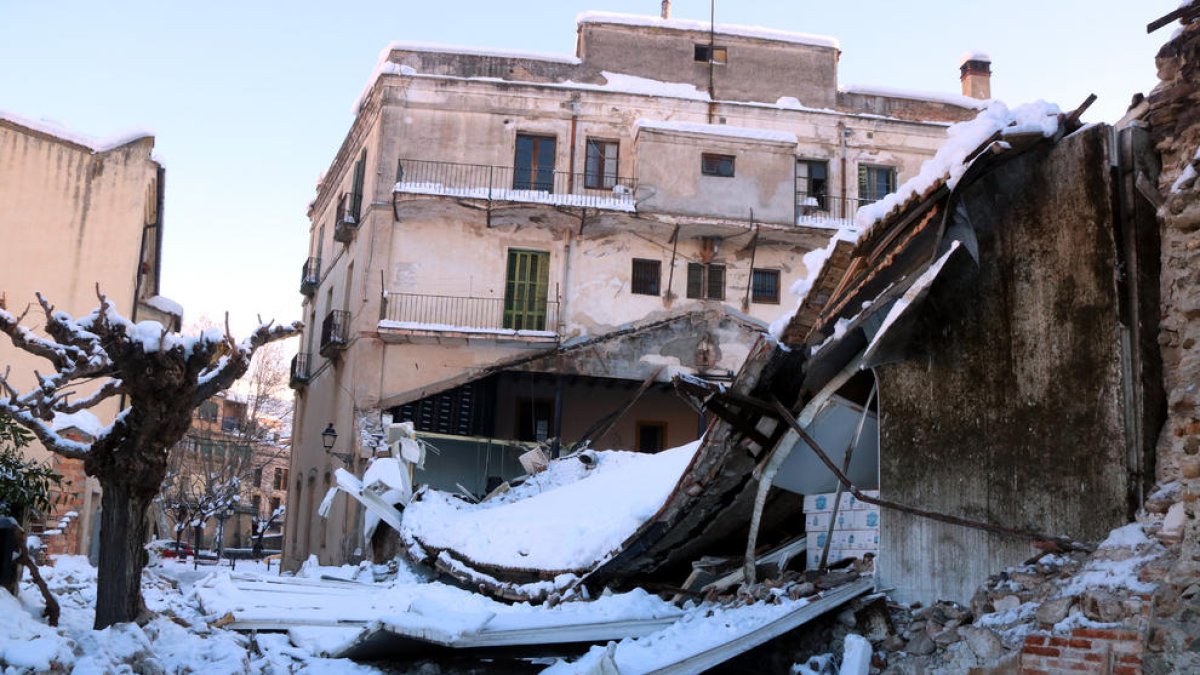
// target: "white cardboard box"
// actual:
[[854, 540], [821, 503], [864, 519]]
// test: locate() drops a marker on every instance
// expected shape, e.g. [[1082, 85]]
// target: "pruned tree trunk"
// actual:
[[121, 558]]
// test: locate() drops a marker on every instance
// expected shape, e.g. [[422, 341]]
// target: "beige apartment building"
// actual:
[[513, 248], [75, 213]]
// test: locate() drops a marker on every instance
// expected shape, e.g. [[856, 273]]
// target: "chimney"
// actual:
[[666, 9], [976, 75]]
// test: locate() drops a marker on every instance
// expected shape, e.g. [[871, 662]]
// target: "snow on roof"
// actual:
[[948, 164], [719, 130], [64, 134], [568, 518], [757, 32], [973, 55], [896, 92], [83, 421], [165, 305], [482, 51]]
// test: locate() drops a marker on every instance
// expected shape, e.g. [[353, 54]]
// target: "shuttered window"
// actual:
[[764, 286], [706, 282], [525, 288]]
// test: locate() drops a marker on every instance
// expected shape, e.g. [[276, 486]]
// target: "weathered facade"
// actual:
[[75, 214], [508, 245]]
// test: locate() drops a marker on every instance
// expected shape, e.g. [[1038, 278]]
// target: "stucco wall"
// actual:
[[71, 218], [1009, 408]]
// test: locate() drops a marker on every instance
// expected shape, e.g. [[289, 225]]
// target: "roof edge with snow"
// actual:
[[62, 134], [724, 130], [755, 32]]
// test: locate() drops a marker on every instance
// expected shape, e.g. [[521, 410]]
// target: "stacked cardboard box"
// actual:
[[856, 531]]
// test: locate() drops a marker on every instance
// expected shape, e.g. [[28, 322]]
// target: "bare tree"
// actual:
[[162, 376]]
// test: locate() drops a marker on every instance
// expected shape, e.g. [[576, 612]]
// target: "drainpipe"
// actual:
[[574, 106], [712, 33], [565, 299], [842, 133]]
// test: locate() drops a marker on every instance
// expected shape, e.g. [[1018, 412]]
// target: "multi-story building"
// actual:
[[228, 451], [76, 214], [511, 247]]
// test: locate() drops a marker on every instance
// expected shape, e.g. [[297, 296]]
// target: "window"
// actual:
[[533, 167], [875, 182], [600, 167], [812, 185], [275, 502], [208, 410], [711, 54], [706, 281], [356, 192], [526, 284], [256, 504], [764, 286], [280, 480], [651, 436], [716, 165], [258, 477], [646, 275]]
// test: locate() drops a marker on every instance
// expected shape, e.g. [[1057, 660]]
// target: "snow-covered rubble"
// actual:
[[177, 640], [567, 518]]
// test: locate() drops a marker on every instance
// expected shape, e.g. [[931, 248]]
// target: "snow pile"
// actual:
[[165, 305], [757, 32], [616, 200], [58, 131], [724, 130], [963, 139], [567, 526], [82, 420], [917, 95], [480, 51]]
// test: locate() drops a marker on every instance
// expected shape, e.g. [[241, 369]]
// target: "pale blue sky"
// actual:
[[250, 100]]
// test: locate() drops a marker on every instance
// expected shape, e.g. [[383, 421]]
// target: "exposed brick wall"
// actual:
[[1086, 650]]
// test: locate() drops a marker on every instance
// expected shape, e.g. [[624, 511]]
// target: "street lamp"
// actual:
[[328, 438]]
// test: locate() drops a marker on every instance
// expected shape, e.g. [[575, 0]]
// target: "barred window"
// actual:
[[646, 276], [764, 286]]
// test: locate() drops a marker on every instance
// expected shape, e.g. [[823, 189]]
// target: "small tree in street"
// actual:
[[162, 377]]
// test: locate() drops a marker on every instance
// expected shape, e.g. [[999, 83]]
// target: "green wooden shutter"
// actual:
[[526, 285]]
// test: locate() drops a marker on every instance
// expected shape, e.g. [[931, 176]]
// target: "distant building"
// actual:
[[76, 213], [228, 442], [513, 248]]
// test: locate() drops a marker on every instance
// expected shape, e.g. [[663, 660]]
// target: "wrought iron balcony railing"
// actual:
[[470, 315], [821, 209], [335, 332], [310, 276], [300, 371], [538, 185]]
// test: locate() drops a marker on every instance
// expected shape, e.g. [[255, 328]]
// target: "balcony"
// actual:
[[516, 184], [406, 316], [827, 211], [346, 219], [300, 371], [310, 276], [335, 332]]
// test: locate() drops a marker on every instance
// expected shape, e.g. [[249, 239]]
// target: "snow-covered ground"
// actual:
[[177, 640]]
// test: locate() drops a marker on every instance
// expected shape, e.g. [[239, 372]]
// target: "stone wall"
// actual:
[[1173, 118]]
